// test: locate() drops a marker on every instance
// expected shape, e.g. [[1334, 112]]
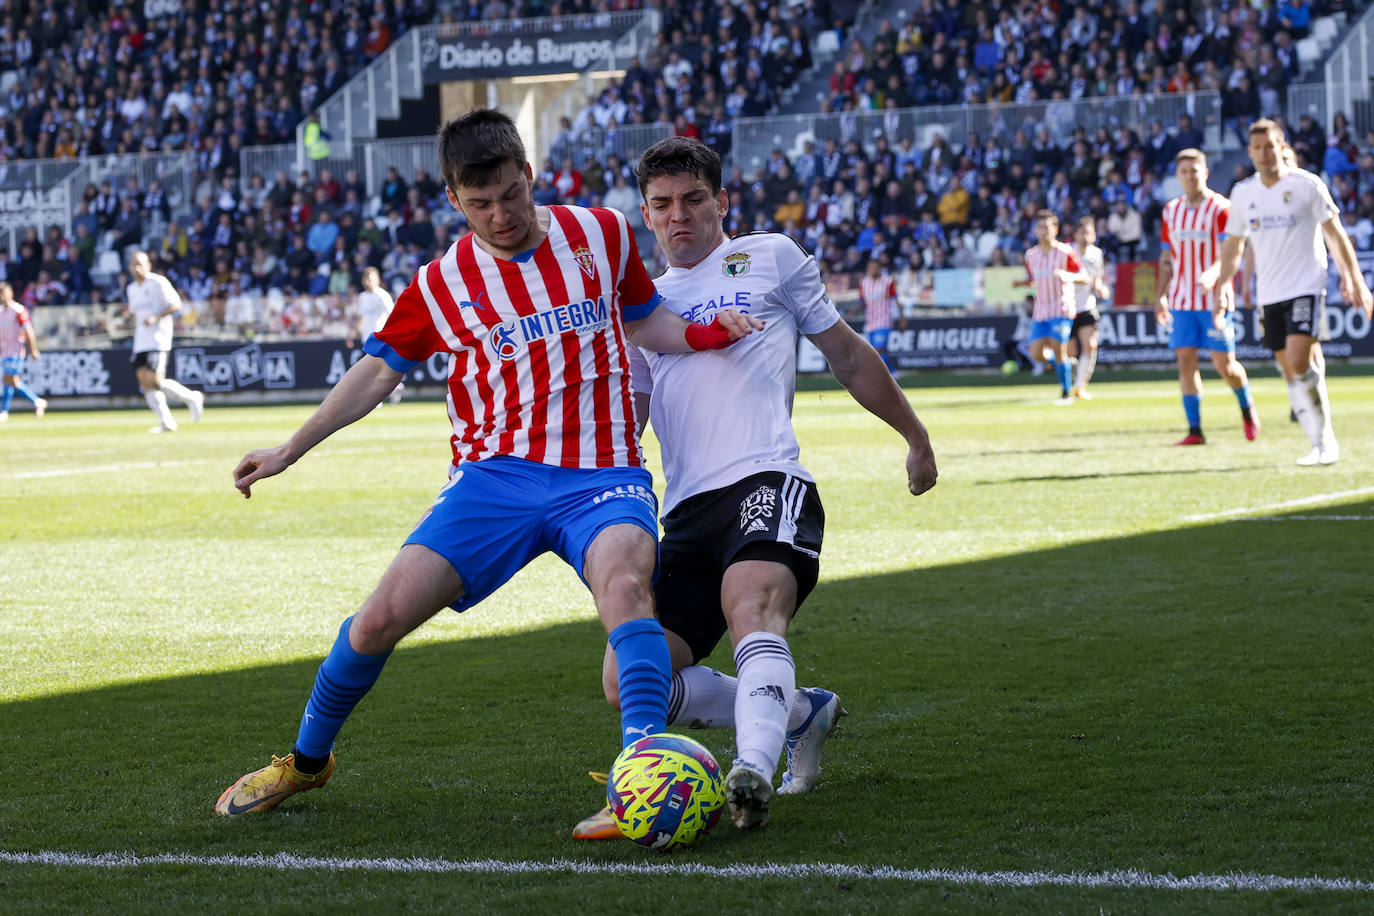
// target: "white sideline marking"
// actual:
[[1290, 504], [1127, 878]]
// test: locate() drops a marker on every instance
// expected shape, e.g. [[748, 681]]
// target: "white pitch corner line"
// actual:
[[1290, 504], [1124, 879]]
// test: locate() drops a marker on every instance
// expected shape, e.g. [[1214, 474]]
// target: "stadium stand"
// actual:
[[282, 253]]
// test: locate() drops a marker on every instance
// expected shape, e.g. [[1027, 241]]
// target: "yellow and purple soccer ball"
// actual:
[[665, 791]]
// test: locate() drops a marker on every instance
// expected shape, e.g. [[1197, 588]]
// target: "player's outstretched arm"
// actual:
[[860, 369], [1353, 288], [360, 390], [665, 331]]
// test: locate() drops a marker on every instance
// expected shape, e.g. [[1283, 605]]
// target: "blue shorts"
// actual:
[[1057, 328], [12, 365], [878, 338], [1196, 329], [496, 515]]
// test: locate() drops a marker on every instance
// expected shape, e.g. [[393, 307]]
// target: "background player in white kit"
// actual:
[[742, 521], [1086, 295], [374, 305], [1194, 226], [152, 301], [1286, 213]]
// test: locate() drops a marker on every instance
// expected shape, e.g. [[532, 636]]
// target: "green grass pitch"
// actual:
[[1084, 652]]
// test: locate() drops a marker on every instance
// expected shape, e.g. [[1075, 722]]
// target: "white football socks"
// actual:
[[767, 680], [1087, 361], [703, 697], [178, 390], [157, 402]]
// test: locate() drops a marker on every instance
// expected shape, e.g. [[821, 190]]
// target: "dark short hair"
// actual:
[[1048, 215], [474, 148], [1265, 126], [679, 156], [1191, 154]]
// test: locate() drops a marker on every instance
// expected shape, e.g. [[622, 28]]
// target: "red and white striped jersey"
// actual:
[[1193, 237], [14, 343], [536, 346], [1053, 297], [880, 299]]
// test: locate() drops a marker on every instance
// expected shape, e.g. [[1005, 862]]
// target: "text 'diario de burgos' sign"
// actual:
[[468, 57]]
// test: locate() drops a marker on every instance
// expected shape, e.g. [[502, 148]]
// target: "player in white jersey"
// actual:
[[1286, 213], [152, 301], [374, 306], [742, 522], [1193, 228], [530, 310], [17, 341], [1086, 295]]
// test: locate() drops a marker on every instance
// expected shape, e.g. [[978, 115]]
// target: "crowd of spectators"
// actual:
[[210, 76], [285, 254]]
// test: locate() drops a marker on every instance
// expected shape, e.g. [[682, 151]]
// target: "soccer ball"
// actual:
[[665, 791], [1010, 367]]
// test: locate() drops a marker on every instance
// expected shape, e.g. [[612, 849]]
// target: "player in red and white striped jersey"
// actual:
[[879, 293], [1192, 229], [17, 341], [533, 311], [1053, 270]]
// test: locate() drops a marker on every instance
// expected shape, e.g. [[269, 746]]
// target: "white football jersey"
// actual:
[[146, 299], [1284, 222], [1085, 300], [722, 415], [373, 307]]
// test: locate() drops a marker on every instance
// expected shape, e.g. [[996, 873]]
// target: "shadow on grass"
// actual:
[[1187, 701]]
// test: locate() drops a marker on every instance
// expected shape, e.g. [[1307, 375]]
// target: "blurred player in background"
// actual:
[[152, 301], [17, 341], [879, 293], [743, 521], [532, 308], [1053, 270], [374, 305], [1287, 213], [1086, 296], [1192, 229]]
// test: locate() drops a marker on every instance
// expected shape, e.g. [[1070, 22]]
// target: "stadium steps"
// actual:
[[804, 97]]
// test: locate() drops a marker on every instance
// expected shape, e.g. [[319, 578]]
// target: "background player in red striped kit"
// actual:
[[1053, 269], [532, 310], [1192, 229]]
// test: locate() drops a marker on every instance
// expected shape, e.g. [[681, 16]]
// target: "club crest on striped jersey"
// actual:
[[735, 265], [586, 261]]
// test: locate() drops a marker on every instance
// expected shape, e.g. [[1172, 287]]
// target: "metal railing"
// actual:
[[35, 174], [754, 138], [1347, 77]]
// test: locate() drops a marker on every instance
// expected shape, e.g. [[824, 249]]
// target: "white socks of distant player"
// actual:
[[702, 697], [767, 679], [178, 390], [157, 401], [1307, 394], [1087, 361]]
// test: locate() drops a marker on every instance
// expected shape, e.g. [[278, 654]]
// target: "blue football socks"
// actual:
[[645, 671], [1243, 396], [1192, 409], [7, 398], [1065, 373], [344, 678]]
